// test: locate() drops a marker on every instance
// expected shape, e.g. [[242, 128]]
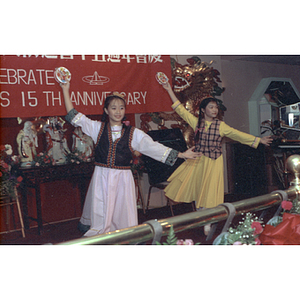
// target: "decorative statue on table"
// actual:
[[27, 144], [57, 146], [82, 143]]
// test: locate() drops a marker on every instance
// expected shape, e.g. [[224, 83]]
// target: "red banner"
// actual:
[[28, 87]]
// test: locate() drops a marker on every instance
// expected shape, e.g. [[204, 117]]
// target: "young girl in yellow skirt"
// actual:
[[202, 180]]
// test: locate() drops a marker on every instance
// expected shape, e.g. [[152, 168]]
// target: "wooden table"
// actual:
[[33, 177]]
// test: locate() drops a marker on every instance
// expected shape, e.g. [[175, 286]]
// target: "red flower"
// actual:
[[286, 205], [20, 178], [257, 228]]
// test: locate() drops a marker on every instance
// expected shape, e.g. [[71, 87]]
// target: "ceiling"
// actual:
[[275, 59]]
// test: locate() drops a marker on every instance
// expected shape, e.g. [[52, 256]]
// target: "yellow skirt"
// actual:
[[200, 180]]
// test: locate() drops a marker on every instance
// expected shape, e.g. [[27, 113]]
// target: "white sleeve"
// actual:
[[89, 127], [144, 144]]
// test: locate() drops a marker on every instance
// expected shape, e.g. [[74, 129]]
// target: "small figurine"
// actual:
[[57, 146], [27, 144], [82, 143]]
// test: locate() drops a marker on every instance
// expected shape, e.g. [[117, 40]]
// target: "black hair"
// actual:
[[203, 105], [107, 101]]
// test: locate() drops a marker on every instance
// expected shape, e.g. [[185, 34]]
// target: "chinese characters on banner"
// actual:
[[28, 87]]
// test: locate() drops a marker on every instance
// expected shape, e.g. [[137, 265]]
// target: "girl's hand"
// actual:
[[65, 86], [190, 154], [266, 140], [167, 86]]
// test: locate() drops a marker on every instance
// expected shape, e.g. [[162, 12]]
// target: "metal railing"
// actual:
[[155, 229]]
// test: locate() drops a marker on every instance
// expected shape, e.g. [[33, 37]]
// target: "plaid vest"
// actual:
[[210, 141], [115, 155]]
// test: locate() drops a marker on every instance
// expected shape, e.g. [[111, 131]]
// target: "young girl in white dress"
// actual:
[[110, 202]]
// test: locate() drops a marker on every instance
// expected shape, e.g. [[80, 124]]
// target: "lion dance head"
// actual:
[[191, 83]]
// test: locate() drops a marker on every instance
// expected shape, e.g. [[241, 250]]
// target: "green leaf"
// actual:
[[171, 239]]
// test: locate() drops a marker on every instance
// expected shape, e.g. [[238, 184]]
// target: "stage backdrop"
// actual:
[[28, 87]]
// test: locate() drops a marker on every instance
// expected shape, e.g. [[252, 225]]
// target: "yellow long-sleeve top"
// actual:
[[202, 180], [225, 130]]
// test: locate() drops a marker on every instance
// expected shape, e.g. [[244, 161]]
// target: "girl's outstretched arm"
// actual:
[[168, 88], [65, 88]]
